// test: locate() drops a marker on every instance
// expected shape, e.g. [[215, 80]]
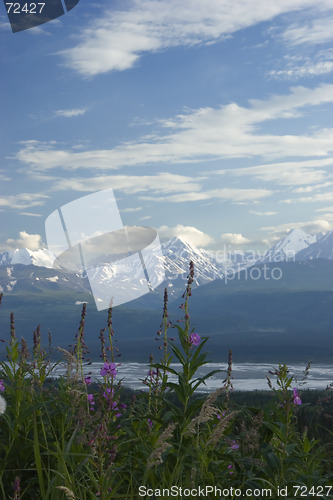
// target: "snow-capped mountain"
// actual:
[[39, 258], [240, 260], [177, 254], [320, 249], [287, 248]]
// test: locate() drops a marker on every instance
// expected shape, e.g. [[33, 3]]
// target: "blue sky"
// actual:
[[210, 120]]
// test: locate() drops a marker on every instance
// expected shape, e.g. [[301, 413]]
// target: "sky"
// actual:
[[209, 120]]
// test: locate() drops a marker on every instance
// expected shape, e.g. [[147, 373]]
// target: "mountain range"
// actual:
[[297, 245], [260, 305]]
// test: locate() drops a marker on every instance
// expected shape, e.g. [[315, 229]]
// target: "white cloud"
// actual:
[[173, 188], [317, 226], [30, 241], [307, 189], [30, 214], [234, 239], [136, 209], [268, 213], [316, 31], [225, 194], [325, 209], [230, 131], [287, 173], [319, 197], [310, 189], [163, 182], [191, 234], [23, 200], [69, 113], [314, 226], [116, 40], [307, 69]]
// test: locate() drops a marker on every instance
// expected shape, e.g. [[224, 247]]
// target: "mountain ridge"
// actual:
[[177, 254]]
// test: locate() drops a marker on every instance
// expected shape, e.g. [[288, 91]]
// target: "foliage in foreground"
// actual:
[[69, 438]]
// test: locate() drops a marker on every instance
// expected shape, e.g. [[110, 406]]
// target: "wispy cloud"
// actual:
[[306, 45], [312, 226], [310, 189], [307, 68], [288, 173], [319, 197], [234, 239], [23, 200], [4, 178], [30, 214], [316, 31], [118, 39], [325, 209], [162, 187], [226, 194], [134, 209], [229, 131], [267, 213], [190, 233], [69, 113], [163, 182]]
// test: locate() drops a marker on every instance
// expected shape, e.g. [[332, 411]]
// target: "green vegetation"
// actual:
[[71, 439]]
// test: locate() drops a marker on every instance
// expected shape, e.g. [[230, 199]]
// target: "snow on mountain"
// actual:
[[239, 260], [39, 258], [177, 256], [287, 248], [320, 249]]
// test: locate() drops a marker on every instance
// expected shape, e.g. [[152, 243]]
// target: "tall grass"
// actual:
[[68, 438]]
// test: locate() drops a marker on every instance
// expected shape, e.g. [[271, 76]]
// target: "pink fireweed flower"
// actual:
[[108, 393], [87, 380], [2, 387], [234, 445], [108, 369], [194, 339], [230, 467], [90, 398], [297, 399]]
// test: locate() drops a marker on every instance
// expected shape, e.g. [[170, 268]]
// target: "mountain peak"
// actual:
[[297, 232], [25, 256], [287, 248], [321, 248], [178, 242]]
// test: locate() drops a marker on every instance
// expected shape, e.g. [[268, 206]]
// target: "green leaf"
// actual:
[[38, 458], [273, 462], [178, 354], [160, 366]]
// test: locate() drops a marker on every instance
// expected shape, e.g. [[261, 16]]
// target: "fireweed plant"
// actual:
[[70, 437]]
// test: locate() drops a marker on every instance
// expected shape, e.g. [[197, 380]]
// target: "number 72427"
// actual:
[[27, 8]]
